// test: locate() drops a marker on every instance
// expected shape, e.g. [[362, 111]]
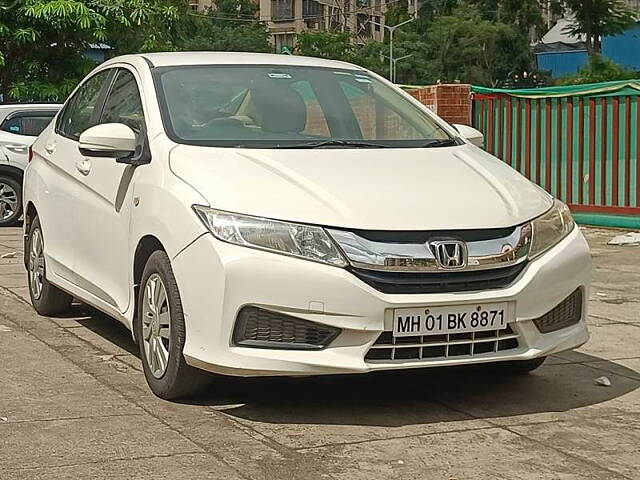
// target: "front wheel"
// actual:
[[160, 330], [10, 202]]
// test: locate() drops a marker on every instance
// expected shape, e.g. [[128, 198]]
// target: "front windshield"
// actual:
[[285, 106]]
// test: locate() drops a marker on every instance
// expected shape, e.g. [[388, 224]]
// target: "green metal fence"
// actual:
[[579, 143]]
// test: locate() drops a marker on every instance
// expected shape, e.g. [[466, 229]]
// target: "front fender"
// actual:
[[163, 211]]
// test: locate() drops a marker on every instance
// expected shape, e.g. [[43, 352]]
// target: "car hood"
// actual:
[[459, 187]]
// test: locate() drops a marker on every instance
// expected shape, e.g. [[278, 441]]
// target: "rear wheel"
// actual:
[[160, 330], [46, 298], [10, 201]]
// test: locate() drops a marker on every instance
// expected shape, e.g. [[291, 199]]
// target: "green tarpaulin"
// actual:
[[606, 89]]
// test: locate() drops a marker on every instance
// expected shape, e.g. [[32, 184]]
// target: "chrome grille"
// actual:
[[437, 347], [461, 281]]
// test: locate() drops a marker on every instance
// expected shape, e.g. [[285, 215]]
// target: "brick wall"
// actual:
[[452, 102]]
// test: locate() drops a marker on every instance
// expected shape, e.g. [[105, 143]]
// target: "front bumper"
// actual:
[[217, 279]]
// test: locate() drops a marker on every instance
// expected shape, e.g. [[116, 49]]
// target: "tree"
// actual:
[[464, 46], [231, 26], [327, 44], [42, 41], [597, 18], [525, 14], [599, 69]]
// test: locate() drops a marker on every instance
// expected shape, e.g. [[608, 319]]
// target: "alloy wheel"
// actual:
[[36, 264], [8, 201], [156, 325]]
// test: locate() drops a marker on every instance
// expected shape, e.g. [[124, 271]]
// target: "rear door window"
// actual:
[[27, 123]]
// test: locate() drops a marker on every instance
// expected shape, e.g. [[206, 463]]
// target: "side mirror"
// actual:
[[110, 140], [474, 136]]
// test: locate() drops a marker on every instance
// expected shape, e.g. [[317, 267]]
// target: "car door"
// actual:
[[19, 130], [103, 206], [59, 175]]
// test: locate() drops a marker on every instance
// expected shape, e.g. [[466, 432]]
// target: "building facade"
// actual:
[[286, 18]]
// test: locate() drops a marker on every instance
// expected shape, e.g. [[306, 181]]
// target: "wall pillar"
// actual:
[[452, 102]]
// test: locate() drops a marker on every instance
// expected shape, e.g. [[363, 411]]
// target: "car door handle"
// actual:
[[84, 167], [16, 147], [50, 148]]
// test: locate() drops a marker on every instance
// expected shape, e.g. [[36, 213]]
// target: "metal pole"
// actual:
[[391, 54], [391, 30], [395, 65]]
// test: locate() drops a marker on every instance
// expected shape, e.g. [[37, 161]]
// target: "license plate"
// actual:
[[449, 319]]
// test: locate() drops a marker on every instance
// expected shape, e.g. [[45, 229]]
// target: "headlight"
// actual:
[[302, 241], [550, 228]]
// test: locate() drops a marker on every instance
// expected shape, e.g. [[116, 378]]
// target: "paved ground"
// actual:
[[74, 405]]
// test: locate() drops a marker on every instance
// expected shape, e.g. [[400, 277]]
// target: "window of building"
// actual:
[[281, 10]]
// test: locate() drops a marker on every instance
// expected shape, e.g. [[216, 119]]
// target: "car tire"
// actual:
[[47, 299], [521, 367], [10, 201], [160, 331]]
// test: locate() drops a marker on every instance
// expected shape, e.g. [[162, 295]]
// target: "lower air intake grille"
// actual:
[[564, 315], [260, 328], [437, 347]]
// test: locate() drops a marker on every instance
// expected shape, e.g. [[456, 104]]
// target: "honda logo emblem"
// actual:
[[450, 254]]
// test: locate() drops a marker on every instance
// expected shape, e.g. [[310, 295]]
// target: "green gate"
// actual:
[[580, 143]]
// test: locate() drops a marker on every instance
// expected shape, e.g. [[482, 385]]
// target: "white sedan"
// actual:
[[20, 124], [253, 214]]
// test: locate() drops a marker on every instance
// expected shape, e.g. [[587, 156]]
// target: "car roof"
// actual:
[[169, 59], [11, 107]]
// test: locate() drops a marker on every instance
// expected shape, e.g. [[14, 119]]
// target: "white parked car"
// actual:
[[253, 214], [20, 125]]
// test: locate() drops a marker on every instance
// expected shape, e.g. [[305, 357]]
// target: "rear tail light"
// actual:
[[30, 157]]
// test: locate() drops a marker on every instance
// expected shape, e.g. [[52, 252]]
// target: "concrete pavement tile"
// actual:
[[64, 442], [245, 449], [549, 393], [68, 322], [13, 280], [470, 455], [6, 249], [174, 467], [98, 330], [611, 441], [12, 268], [597, 321], [629, 368], [303, 413], [555, 360], [39, 384], [611, 342], [12, 243], [625, 312], [10, 231], [131, 361], [22, 293]]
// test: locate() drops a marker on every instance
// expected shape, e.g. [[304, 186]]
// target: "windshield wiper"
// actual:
[[446, 142], [323, 143]]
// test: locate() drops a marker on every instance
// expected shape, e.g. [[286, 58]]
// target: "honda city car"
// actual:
[[263, 215]]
